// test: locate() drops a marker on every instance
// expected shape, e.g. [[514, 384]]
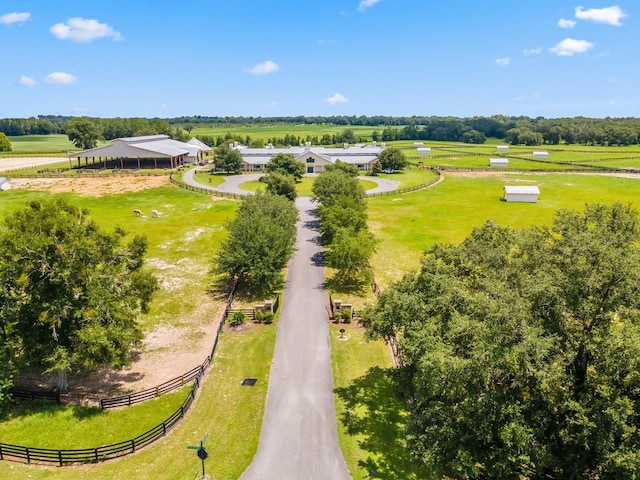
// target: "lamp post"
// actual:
[[201, 452]]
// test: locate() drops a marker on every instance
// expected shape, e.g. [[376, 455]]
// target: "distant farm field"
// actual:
[[45, 144], [271, 131]]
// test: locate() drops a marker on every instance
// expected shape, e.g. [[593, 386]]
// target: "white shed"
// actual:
[[502, 148], [519, 193], [424, 150], [540, 154], [499, 162], [418, 144], [4, 183]]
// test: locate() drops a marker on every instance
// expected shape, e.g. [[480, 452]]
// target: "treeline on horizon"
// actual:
[[519, 130]]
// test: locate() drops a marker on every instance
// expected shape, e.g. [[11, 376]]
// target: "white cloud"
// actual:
[[610, 15], [364, 4], [15, 17], [60, 78], [503, 61], [264, 68], [533, 51], [569, 47], [336, 98], [83, 30], [564, 23], [26, 81]]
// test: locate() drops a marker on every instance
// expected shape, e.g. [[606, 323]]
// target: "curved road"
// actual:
[[232, 183]]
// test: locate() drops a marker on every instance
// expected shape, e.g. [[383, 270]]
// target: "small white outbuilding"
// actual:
[[502, 148], [499, 162], [4, 183], [520, 193], [418, 144], [540, 154], [424, 150]]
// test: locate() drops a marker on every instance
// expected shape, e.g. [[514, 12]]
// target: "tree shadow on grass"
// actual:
[[375, 414], [354, 287]]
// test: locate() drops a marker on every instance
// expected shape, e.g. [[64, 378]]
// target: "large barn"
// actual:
[[151, 151], [315, 159]]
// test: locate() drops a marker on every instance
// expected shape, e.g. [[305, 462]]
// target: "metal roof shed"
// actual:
[[519, 193], [499, 162]]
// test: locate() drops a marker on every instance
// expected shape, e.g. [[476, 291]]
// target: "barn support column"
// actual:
[[105, 162], [138, 163], [155, 162], [121, 162]]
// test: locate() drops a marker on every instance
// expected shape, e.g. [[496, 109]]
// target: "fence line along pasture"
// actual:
[[407, 189], [208, 191], [62, 457]]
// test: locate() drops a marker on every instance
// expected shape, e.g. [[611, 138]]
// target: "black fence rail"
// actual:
[[154, 392], [408, 189], [19, 394], [203, 189], [64, 457]]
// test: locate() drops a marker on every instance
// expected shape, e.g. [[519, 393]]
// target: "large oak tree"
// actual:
[[70, 293], [521, 349]]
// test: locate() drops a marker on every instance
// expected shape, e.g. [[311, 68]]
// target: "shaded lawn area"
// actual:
[[371, 418]]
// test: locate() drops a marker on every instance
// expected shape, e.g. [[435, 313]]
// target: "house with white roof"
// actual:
[[150, 151], [315, 159]]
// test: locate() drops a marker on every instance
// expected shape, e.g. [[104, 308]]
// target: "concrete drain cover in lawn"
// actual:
[[249, 382]]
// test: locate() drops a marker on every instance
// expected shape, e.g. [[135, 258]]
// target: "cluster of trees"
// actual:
[[70, 293], [391, 159], [261, 239], [284, 172], [521, 349], [5, 144], [349, 244]]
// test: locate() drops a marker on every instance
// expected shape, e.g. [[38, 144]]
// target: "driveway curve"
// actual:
[[299, 437], [232, 183]]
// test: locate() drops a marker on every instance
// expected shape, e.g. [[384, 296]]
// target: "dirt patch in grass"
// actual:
[[95, 187]]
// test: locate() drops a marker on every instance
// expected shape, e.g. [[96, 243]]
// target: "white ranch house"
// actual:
[[521, 193], [315, 159], [150, 151]]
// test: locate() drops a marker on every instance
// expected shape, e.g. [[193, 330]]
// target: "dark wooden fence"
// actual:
[[408, 189], [203, 189]]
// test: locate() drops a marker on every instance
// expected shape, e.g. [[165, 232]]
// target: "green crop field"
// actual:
[[271, 131], [407, 224], [49, 144]]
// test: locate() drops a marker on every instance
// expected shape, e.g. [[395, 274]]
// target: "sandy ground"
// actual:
[[8, 164], [168, 351]]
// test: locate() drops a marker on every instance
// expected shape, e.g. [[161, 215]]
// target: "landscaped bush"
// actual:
[[237, 319], [268, 318], [259, 316], [346, 316]]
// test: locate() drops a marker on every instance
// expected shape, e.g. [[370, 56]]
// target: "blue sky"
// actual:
[[551, 58]]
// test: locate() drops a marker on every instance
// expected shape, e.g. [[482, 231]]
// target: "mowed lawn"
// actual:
[[406, 225]]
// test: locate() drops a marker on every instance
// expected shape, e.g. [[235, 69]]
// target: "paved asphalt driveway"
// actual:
[[299, 439]]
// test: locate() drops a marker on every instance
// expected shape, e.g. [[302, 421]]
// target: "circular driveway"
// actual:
[[232, 183]]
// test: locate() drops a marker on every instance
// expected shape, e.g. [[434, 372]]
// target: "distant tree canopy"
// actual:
[[530, 131], [227, 159], [520, 349], [70, 293]]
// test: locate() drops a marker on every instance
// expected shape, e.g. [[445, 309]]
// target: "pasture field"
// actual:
[[406, 225], [225, 410], [31, 423], [271, 131], [49, 144]]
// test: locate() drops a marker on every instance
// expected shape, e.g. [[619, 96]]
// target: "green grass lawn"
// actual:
[[371, 418], [228, 412], [406, 225], [50, 144], [210, 179], [31, 423]]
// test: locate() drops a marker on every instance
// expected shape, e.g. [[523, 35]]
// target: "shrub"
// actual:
[[346, 316], [237, 319], [259, 316], [268, 318]]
